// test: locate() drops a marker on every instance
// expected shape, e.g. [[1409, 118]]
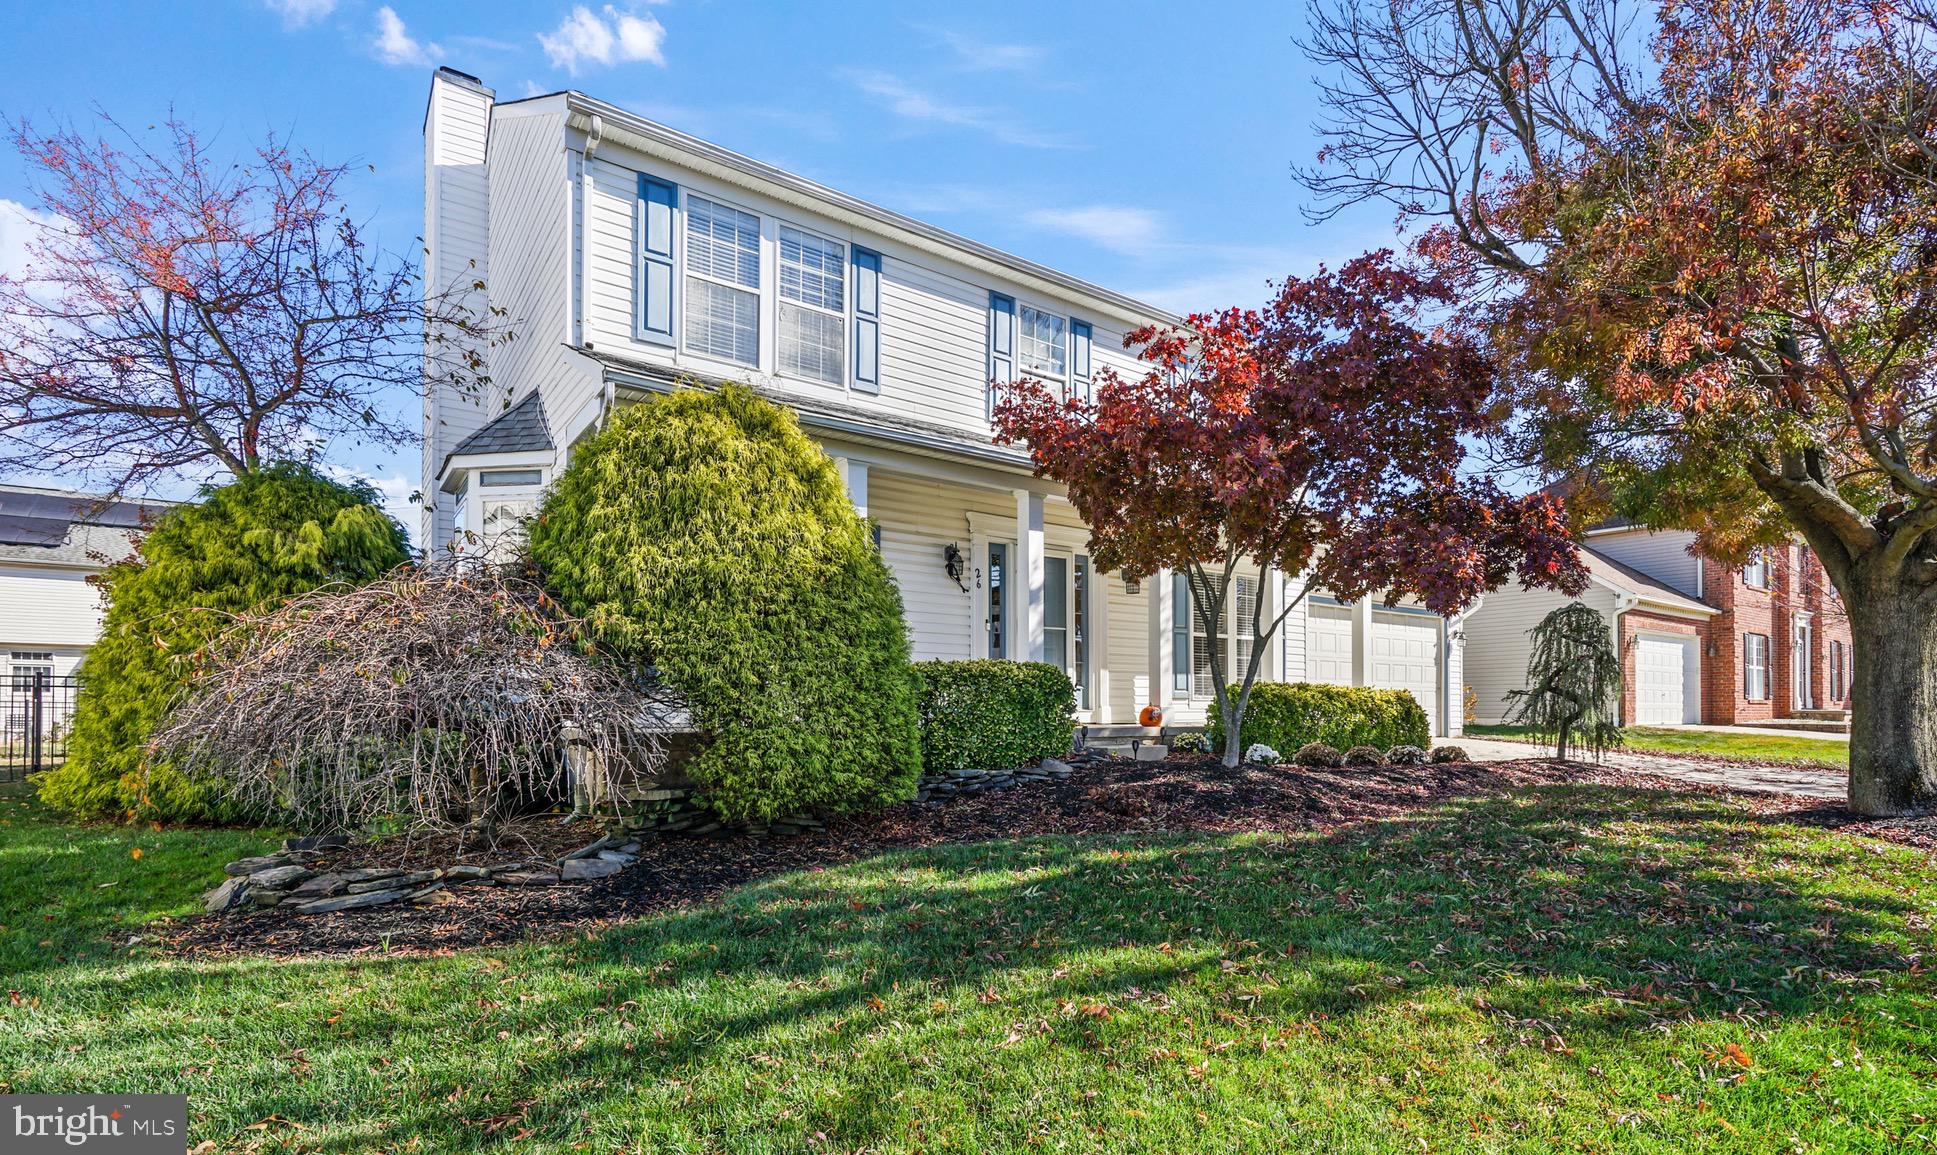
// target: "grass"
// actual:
[[1739, 747], [1564, 968]]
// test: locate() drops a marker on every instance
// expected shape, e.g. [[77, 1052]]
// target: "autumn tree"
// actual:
[[180, 313], [1709, 250], [1321, 438]]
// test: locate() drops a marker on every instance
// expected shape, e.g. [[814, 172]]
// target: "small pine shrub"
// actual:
[[1319, 754], [1450, 754], [993, 715], [240, 547], [1364, 756], [704, 535], [1406, 756], [1263, 755], [1287, 715]]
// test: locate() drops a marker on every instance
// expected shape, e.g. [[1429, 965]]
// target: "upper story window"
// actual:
[[1756, 574], [1044, 343], [813, 307], [722, 281]]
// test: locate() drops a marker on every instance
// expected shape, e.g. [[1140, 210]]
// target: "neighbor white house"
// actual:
[[51, 542], [630, 257]]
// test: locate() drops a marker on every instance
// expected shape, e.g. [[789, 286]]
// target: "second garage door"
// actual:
[[1661, 680], [1405, 656]]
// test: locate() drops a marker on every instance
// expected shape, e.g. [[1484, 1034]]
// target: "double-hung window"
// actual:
[[1755, 575], [722, 281], [1193, 641], [1044, 341], [1839, 671], [813, 307], [1755, 667]]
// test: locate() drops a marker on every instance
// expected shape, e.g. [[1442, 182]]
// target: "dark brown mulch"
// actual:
[[673, 870]]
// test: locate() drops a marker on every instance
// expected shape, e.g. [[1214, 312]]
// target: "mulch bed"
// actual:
[[1102, 797]]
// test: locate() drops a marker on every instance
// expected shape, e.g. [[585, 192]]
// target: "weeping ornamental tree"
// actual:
[[1573, 693]]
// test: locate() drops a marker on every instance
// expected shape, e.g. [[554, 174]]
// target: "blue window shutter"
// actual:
[[1002, 346], [1079, 359], [867, 321], [656, 201]]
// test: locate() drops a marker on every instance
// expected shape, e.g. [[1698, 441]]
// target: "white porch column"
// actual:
[[1097, 590], [854, 475], [1157, 589], [1029, 572], [1362, 641], [1271, 589]]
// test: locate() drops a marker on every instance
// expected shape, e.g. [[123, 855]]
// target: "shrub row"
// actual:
[[991, 715], [1289, 715]]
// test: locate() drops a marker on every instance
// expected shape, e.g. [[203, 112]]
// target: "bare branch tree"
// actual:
[[179, 312], [440, 694]]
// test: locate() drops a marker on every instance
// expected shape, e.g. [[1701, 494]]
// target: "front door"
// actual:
[[1803, 668]]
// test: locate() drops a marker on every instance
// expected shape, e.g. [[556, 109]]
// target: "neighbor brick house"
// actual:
[[1700, 641]]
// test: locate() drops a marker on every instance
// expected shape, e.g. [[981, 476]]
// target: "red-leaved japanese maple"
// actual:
[[1321, 438]]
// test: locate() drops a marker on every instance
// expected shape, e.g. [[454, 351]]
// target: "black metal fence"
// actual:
[[36, 712]]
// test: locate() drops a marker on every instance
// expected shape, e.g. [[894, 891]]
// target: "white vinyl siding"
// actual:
[[1661, 554], [1497, 643], [722, 281]]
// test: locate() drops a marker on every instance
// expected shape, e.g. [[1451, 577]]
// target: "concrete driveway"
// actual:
[[1831, 785]]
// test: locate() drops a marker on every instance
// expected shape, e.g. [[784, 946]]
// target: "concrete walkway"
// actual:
[[1767, 732], [1831, 785]]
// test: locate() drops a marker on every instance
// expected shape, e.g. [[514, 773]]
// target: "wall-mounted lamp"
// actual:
[[954, 564], [1132, 586]]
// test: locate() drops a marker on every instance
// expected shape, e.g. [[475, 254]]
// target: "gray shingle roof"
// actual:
[[67, 527], [519, 429], [1633, 581]]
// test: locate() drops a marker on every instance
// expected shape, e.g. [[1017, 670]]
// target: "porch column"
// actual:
[[1097, 591], [854, 475], [1029, 570], [1271, 589], [1156, 587], [1362, 641]]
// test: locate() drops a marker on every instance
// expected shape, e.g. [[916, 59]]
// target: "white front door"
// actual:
[[1405, 656], [1660, 686], [1329, 644]]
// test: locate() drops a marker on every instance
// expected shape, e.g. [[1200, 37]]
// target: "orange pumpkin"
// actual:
[[1151, 716]]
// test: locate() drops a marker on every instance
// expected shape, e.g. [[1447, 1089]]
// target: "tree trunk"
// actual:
[[1233, 743], [1893, 696]]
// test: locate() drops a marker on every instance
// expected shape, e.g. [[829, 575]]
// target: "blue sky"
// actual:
[[1147, 147]]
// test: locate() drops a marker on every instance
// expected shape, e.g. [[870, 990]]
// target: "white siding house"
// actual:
[[631, 258], [51, 542]]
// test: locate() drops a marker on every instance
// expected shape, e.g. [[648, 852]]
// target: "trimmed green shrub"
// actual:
[[704, 535], [1190, 742], [993, 715], [1364, 756], [1287, 715], [1319, 754], [240, 547]]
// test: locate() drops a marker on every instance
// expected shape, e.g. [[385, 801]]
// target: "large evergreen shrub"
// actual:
[[1288, 715], [705, 535], [993, 715], [241, 546]]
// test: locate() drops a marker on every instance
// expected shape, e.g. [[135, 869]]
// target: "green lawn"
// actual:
[[1713, 743], [1565, 968]]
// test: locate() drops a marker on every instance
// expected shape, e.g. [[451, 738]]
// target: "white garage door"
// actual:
[[1660, 680], [1329, 649], [1405, 656]]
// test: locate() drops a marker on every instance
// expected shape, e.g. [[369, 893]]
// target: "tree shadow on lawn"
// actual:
[[1567, 913]]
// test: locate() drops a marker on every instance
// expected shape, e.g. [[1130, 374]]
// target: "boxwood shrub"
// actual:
[[993, 715], [1288, 715]]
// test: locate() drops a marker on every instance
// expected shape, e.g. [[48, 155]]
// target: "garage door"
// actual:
[[1405, 656], [1329, 652], [1660, 686]]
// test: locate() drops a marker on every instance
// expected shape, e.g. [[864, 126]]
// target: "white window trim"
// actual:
[[1023, 367], [847, 306], [1764, 692], [1233, 673], [683, 269]]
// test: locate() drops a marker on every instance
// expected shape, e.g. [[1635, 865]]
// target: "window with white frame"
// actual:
[[23, 666], [813, 307], [1043, 341], [1839, 671], [1755, 667], [722, 281], [1755, 575], [1192, 639]]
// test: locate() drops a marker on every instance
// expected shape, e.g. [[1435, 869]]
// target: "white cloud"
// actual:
[[585, 37], [1119, 228], [395, 45], [298, 13], [982, 56], [892, 93], [19, 225]]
